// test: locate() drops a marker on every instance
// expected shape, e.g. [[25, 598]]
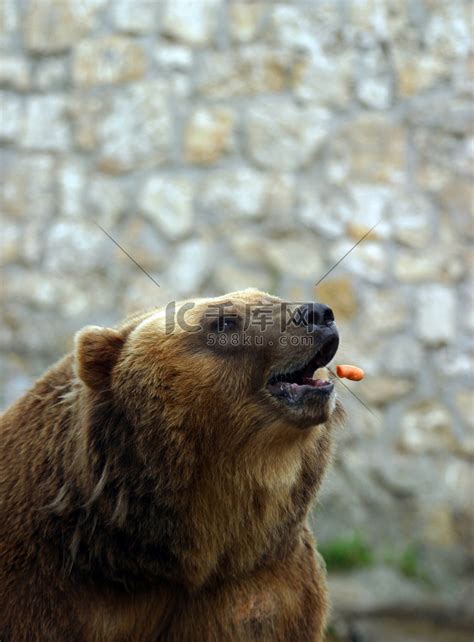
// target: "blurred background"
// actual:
[[232, 144]]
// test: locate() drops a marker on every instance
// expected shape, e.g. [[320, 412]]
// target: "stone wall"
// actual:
[[228, 144]]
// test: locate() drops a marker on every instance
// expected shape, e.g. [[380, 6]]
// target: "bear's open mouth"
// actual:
[[292, 385]]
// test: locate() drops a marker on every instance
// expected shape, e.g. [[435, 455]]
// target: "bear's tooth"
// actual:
[[321, 373]]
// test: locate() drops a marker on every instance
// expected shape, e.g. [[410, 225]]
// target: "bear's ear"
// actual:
[[96, 352]]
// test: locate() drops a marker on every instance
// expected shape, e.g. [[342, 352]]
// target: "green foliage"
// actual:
[[353, 551], [331, 635], [347, 553], [409, 562]]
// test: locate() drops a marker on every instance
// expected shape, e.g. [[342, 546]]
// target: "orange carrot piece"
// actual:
[[350, 372]]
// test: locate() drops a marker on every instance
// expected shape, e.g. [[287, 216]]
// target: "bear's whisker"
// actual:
[[347, 253], [127, 254], [339, 380]]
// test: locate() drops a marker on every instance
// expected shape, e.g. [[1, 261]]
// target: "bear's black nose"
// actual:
[[313, 314]]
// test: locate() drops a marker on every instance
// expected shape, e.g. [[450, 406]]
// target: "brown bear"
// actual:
[[155, 483]]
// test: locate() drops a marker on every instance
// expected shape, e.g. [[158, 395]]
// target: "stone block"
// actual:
[[28, 191], [168, 202], [108, 60], [193, 23], [52, 26], [427, 427], [135, 16], [372, 149], [436, 315], [339, 293], [285, 136], [245, 19], [47, 126], [14, 72], [12, 115], [246, 71], [239, 193], [209, 135], [137, 128]]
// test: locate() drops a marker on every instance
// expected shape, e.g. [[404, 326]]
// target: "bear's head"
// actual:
[[227, 372]]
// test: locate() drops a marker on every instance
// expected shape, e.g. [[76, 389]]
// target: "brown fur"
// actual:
[[151, 490]]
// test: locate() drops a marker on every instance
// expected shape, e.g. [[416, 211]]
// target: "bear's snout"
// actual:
[[314, 314]]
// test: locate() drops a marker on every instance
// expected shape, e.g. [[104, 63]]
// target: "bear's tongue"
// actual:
[[316, 383]]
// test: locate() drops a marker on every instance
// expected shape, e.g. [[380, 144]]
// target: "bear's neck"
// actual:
[[138, 521], [191, 524]]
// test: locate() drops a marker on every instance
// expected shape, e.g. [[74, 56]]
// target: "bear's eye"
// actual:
[[225, 324]]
